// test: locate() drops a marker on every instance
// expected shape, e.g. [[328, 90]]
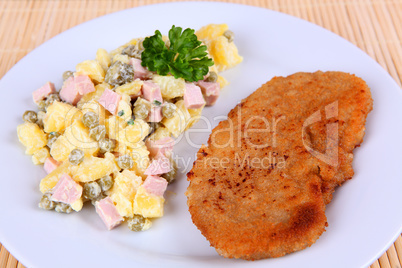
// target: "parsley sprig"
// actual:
[[185, 58]]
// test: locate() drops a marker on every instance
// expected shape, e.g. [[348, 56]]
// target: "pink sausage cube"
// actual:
[[43, 92], [69, 93], [151, 92], [155, 185], [210, 90], [108, 213], [110, 100], [140, 71], [84, 84], [163, 146], [155, 114], [193, 98], [66, 190], [158, 166], [50, 165]]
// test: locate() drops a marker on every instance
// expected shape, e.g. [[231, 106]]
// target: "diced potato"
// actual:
[[94, 106], [170, 86], [124, 108], [59, 116], [92, 68], [211, 31], [134, 134], [114, 127], [32, 137], [122, 58], [195, 115], [132, 88], [126, 183], [41, 116], [77, 205], [148, 205], [160, 133], [224, 53], [93, 168], [39, 157], [48, 182], [123, 205], [222, 81], [78, 136], [120, 149], [99, 89], [123, 192], [61, 148], [103, 57], [140, 155], [178, 123]]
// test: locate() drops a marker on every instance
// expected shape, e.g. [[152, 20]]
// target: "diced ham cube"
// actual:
[[43, 92], [75, 87], [210, 90], [155, 185], [84, 84], [66, 190], [50, 165], [159, 165], [163, 146], [110, 100], [108, 213], [155, 114], [151, 92], [193, 98], [69, 93], [140, 71]]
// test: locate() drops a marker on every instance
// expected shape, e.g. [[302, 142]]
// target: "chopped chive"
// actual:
[[130, 122], [121, 113], [158, 103]]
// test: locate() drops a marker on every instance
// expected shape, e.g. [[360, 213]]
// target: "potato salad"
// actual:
[[106, 136]]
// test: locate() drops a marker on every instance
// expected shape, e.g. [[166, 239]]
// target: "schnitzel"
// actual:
[[260, 186]]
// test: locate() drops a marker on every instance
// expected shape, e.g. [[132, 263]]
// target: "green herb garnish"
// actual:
[[121, 113], [130, 122], [157, 103], [185, 58]]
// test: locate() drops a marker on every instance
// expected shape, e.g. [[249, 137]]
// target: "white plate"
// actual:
[[364, 216]]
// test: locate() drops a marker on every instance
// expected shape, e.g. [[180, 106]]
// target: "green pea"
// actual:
[[76, 156], [125, 161], [91, 190], [168, 110], [141, 111], [63, 208], [106, 183], [90, 119], [213, 77], [106, 145], [42, 106], [30, 117], [51, 138], [136, 223], [171, 175], [67, 74], [119, 73], [52, 98], [97, 133], [229, 35], [46, 202]]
